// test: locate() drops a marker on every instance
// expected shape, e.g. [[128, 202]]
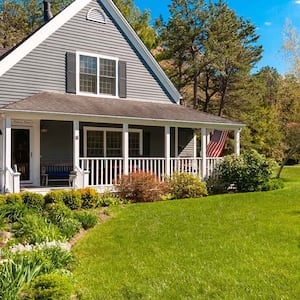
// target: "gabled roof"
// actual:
[[133, 112], [24, 48]]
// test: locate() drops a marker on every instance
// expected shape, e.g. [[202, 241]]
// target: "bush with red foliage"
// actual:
[[141, 187]]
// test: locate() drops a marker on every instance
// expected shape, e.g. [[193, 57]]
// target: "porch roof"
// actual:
[[108, 109]]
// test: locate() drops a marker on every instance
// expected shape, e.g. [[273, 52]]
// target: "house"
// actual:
[[83, 93]]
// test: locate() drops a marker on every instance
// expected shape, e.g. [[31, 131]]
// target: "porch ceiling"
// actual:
[[111, 108]]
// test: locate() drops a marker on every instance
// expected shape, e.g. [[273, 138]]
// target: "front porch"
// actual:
[[98, 153]]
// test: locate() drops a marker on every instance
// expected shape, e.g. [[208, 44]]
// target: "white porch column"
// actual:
[[176, 142], [237, 143], [195, 144], [203, 152], [168, 149], [76, 144], [125, 149], [7, 161]]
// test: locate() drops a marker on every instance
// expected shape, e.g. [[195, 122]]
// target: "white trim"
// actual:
[[91, 16], [76, 144], [59, 20], [105, 130], [237, 141], [142, 49], [125, 150], [168, 149], [203, 152], [41, 35], [31, 150]]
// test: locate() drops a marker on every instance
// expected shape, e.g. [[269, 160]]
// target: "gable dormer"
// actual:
[[86, 32]]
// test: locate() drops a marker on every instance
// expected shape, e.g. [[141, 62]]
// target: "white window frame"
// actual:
[[105, 130], [98, 56]]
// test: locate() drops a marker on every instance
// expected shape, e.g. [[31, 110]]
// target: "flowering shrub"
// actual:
[[246, 173], [90, 197]]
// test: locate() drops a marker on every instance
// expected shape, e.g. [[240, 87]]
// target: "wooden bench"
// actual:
[[57, 173]]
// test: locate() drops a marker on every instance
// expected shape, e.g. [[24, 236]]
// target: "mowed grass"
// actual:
[[236, 246]]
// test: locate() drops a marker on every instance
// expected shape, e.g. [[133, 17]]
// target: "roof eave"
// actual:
[[122, 119]]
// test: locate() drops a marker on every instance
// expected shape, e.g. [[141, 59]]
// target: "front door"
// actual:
[[20, 148]]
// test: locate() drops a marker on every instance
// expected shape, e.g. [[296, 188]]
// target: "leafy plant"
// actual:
[[87, 219], [72, 199], [13, 212], [15, 274], [51, 286], [54, 197], [57, 211], [141, 187], [69, 227], [14, 199], [33, 228], [90, 197], [246, 173], [184, 185], [273, 184], [33, 200]]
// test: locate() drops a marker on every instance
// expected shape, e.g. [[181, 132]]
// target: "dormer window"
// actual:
[[97, 75]]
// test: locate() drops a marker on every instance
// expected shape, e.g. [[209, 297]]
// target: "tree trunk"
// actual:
[[195, 102], [290, 153]]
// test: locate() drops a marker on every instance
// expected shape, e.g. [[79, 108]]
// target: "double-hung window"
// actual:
[[107, 142], [98, 75]]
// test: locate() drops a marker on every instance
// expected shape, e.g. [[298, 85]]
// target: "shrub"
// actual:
[[57, 211], [14, 199], [246, 173], [51, 255], [33, 200], [90, 197], [54, 197], [141, 187], [15, 274], [69, 227], [273, 184], [33, 228], [72, 199], [51, 287], [87, 219], [13, 212], [2, 199], [107, 198], [184, 185]]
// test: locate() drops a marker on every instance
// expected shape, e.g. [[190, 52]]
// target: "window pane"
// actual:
[[88, 74], [107, 76], [113, 144], [134, 144], [95, 145]]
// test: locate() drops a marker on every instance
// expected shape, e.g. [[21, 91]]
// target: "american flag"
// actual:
[[217, 143]]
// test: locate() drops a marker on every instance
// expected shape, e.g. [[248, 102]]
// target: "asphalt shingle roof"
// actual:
[[49, 102]]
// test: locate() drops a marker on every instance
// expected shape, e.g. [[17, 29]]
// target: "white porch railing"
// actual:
[[102, 170], [107, 171], [12, 183]]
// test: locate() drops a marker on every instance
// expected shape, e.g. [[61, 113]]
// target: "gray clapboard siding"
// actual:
[[44, 67]]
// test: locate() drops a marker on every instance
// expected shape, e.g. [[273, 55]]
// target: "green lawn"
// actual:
[[236, 246]]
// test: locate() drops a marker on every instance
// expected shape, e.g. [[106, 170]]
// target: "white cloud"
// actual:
[[297, 2], [269, 23]]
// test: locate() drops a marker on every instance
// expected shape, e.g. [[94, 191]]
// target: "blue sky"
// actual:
[[269, 17]]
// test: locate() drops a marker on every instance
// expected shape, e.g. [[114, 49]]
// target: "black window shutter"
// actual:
[[122, 79], [71, 72]]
